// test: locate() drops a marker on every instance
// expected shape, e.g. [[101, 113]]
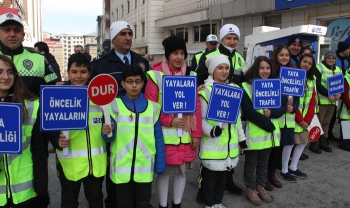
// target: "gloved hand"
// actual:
[[42, 201], [243, 145], [215, 131]]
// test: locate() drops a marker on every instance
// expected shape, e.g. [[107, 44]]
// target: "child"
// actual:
[[218, 162], [29, 169], [87, 158], [262, 133], [180, 151], [138, 148]]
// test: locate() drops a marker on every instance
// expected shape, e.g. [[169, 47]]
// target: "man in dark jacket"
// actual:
[[113, 63], [50, 60]]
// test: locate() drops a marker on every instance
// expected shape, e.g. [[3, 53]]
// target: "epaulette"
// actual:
[[99, 57]]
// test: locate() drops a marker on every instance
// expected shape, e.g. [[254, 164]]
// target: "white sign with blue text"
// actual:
[[224, 103], [266, 93], [292, 81], [335, 84], [179, 94], [10, 128], [63, 108]]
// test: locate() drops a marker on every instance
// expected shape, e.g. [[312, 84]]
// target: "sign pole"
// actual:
[[65, 149], [179, 130], [107, 116]]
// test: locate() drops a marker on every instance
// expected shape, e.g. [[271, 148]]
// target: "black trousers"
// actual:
[[275, 157], [214, 186], [27, 204], [70, 190], [331, 124], [111, 199], [133, 195]]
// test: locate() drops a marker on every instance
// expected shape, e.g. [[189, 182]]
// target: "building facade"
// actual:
[[69, 40], [56, 49]]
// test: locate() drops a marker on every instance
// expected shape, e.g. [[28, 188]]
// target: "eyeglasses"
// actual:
[[14, 29], [9, 73], [131, 82], [331, 58]]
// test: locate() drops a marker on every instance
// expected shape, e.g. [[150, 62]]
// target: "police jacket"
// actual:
[[51, 61], [31, 67], [111, 64], [202, 70]]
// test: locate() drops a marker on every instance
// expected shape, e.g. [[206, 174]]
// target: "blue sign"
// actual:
[[339, 30], [63, 108], [335, 84], [286, 4], [224, 103], [179, 94], [266, 93], [10, 128], [292, 81]]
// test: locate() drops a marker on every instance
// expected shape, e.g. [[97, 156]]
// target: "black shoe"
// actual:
[[316, 150], [331, 137], [344, 146], [326, 148], [200, 196], [231, 187]]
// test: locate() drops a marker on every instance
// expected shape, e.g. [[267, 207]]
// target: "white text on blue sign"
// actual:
[[65, 116], [268, 93], [8, 136], [179, 93], [292, 81]]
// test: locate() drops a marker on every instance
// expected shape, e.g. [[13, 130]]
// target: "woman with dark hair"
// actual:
[[303, 117], [29, 169], [262, 133], [306, 50], [282, 58], [180, 151]]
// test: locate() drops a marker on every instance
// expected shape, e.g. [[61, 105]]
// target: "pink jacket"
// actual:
[[175, 154]]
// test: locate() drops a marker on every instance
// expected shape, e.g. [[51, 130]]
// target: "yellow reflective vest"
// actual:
[[325, 72]]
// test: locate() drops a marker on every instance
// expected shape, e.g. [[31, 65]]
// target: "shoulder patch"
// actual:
[[142, 65], [28, 64], [240, 62]]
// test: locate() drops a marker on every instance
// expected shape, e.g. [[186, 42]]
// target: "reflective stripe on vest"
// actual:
[[305, 102], [287, 120], [257, 138], [138, 131], [226, 145], [169, 133], [19, 167], [344, 111], [325, 72], [87, 152]]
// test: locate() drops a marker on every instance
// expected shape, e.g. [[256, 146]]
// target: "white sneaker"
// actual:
[[219, 206]]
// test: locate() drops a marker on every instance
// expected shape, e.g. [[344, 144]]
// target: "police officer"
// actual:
[[229, 37], [31, 65], [113, 63], [211, 43], [295, 42]]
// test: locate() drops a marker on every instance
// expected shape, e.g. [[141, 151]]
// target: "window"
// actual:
[[53, 50], [68, 38], [135, 29], [202, 31], [68, 50], [135, 4], [143, 29], [121, 10], [128, 6], [182, 32], [143, 1], [273, 20], [116, 14], [68, 42]]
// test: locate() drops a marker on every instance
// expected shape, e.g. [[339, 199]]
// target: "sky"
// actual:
[[70, 15]]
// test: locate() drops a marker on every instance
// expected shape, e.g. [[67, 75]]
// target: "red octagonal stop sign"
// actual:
[[314, 133], [102, 89]]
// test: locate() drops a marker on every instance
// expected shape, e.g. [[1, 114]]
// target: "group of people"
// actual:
[[141, 140]]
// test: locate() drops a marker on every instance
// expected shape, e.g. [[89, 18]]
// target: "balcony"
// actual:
[[184, 8]]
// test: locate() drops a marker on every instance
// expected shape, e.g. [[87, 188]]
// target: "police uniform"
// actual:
[[195, 60], [31, 67]]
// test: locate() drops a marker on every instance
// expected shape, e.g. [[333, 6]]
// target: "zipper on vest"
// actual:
[[7, 175], [229, 139], [89, 150], [135, 144]]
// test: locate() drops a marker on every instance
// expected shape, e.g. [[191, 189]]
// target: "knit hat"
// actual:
[[343, 46], [10, 17], [229, 29], [329, 53], [213, 61], [118, 26], [295, 39], [212, 38], [173, 43]]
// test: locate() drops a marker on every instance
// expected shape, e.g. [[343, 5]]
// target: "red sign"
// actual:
[[102, 89], [314, 133], [49, 42]]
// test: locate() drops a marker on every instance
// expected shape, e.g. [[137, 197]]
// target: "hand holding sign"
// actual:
[[102, 91]]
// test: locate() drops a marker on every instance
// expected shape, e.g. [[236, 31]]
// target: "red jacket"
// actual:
[[175, 154], [345, 94], [310, 112]]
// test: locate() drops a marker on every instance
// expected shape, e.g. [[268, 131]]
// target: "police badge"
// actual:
[[28, 64], [240, 62], [142, 65]]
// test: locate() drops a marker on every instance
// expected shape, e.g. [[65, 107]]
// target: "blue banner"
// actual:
[[266, 93], [292, 81], [287, 4], [179, 94], [224, 103], [335, 84], [10, 128], [63, 108]]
